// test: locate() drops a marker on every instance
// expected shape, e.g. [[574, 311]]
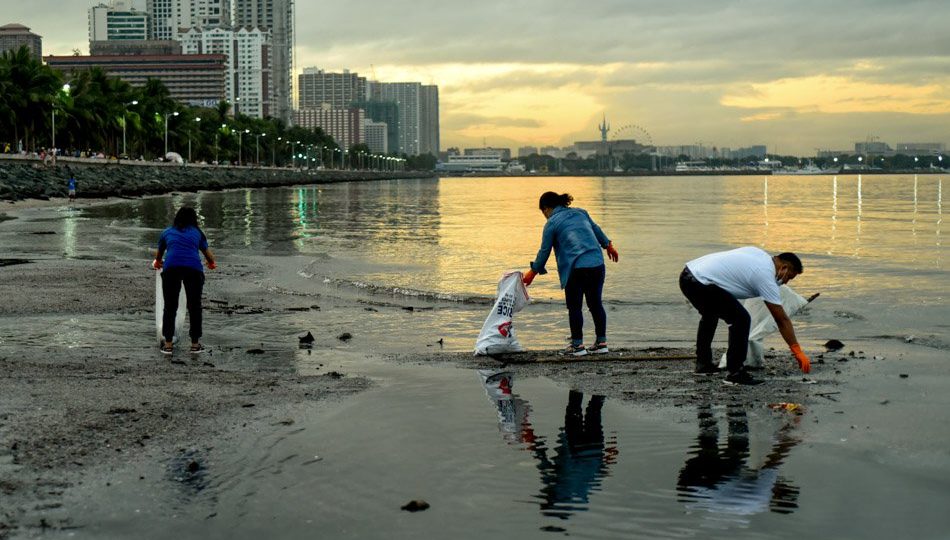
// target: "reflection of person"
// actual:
[[718, 480], [180, 245], [715, 283], [580, 459], [577, 242], [71, 184]]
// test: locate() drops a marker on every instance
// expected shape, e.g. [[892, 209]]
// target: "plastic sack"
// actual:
[[512, 410], [763, 323], [498, 332], [160, 310]]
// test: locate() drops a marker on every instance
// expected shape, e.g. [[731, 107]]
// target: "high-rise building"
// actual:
[[386, 112], [167, 16], [406, 96], [276, 16], [316, 88], [247, 84], [121, 20], [525, 151], [375, 134], [13, 36], [344, 125], [429, 120], [196, 79]]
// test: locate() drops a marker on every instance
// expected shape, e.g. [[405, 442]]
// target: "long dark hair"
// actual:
[[186, 217], [549, 199]]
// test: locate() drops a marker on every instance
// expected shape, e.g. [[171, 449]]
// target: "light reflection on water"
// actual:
[[869, 243]]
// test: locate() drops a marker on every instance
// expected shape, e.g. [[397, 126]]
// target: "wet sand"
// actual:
[[69, 413]]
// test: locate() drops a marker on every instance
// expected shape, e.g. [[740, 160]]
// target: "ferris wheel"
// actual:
[[633, 131]]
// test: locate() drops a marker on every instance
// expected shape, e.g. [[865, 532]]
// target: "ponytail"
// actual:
[[549, 199]]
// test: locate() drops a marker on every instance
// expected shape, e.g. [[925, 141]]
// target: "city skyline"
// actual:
[[793, 76]]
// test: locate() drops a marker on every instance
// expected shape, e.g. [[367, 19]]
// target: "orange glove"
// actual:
[[803, 361], [612, 252], [157, 264], [528, 277], [212, 265]]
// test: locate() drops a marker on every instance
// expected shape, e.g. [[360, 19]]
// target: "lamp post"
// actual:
[[273, 152], [257, 143], [166, 115], [197, 121], [241, 146], [125, 115], [65, 90]]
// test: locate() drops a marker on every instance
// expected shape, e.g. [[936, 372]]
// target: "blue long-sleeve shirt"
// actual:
[[577, 242]]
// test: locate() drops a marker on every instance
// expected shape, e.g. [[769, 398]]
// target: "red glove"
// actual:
[[528, 277], [803, 361], [212, 265], [157, 264], [612, 252]]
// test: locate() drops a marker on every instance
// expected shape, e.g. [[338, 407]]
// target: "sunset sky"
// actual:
[[793, 75]]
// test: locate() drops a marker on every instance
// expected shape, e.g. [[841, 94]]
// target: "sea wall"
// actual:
[[32, 179]]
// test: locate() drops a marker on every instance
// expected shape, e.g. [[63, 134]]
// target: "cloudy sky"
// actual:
[[795, 75]]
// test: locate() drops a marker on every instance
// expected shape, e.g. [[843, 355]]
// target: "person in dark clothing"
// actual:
[[180, 246]]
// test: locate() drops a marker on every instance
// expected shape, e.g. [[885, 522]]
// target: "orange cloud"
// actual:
[[836, 94]]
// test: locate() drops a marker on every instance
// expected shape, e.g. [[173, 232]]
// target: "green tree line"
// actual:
[[93, 112]]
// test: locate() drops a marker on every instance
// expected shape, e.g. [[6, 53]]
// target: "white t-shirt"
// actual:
[[746, 272]]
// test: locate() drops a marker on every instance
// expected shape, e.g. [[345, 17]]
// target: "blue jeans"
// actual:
[[586, 283]]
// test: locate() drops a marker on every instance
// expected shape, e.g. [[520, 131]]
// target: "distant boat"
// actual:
[[809, 169]]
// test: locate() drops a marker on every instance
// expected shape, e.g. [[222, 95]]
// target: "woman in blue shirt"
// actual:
[[577, 242], [180, 245]]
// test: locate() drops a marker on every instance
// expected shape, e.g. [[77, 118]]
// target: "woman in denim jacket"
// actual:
[[577, 242]]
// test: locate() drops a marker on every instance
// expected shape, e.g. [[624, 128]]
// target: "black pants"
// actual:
[[715, 303], [172, 280], [586, 283]]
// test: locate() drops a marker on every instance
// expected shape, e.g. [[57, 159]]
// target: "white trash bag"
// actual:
[[498, 332], [763, 323], [160, 310]]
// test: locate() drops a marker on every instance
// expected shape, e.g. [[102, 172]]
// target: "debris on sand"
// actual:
[[417, 505], [834, 345], [306, 341], [345, 336]]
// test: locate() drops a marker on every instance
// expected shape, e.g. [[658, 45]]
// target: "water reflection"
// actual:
[[719, 480], [581, 457]]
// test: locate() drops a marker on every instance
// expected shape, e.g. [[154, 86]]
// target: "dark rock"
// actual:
[[904, 375], [255, 351], [417, 505], [307, 340], [345, 336], [834, 345]]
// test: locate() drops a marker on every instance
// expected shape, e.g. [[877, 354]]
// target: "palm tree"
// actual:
[[29, 94]]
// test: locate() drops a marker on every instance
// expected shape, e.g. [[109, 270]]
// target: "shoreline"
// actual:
[[84, 392], [98, 179]]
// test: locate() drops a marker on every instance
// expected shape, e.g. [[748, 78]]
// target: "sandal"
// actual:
[[198, 349]]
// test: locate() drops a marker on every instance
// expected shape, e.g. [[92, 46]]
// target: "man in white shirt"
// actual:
[[715, 283]]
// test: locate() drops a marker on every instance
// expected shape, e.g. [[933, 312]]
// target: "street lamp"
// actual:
[[257, 143], [65, 90], [166, 115], [125, 115], [273, 152], [241, 145], [197, 121]]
